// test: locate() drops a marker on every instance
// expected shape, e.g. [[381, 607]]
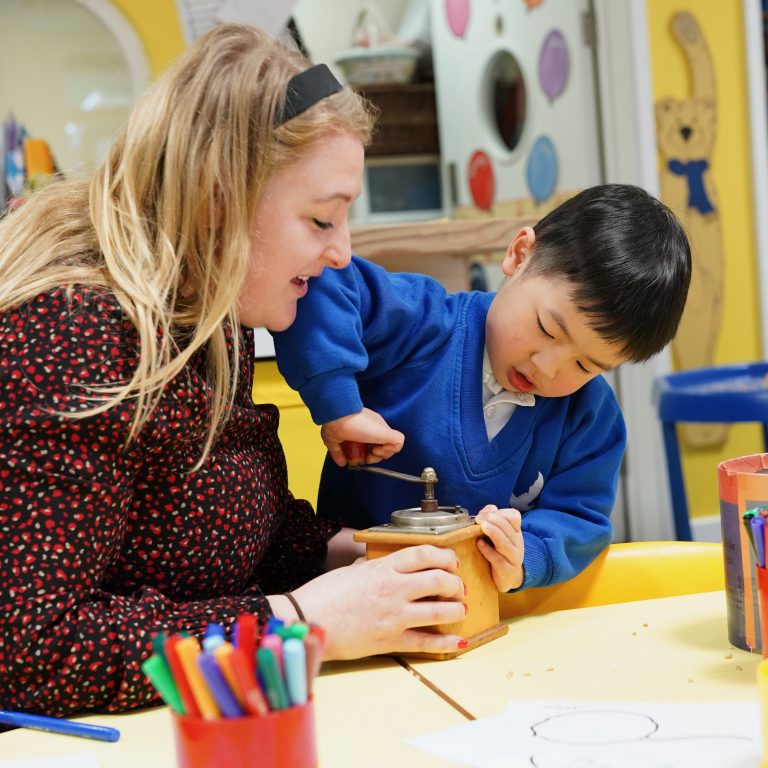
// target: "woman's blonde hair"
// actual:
[[164, 221]]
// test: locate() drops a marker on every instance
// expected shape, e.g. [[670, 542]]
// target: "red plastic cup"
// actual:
[[762, 601], [282, 739]]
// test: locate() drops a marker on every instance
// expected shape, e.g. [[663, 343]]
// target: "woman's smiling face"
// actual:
[[301, 226]]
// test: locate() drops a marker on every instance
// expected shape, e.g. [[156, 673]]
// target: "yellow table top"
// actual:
[[670, 649], [363, 712]]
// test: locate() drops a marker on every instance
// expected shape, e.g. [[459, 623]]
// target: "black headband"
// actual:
[[306, 89]]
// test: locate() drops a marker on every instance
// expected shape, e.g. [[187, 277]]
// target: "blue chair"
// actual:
[[725, 394]]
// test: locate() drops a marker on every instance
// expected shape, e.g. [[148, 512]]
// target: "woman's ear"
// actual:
[[518, 251]]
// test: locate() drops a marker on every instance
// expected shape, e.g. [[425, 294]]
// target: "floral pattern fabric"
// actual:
[[104, 545]]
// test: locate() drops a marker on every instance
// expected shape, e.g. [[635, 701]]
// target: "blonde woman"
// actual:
[[141, 490]]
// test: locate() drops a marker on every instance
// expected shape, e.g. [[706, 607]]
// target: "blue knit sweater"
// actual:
[[401, 346]]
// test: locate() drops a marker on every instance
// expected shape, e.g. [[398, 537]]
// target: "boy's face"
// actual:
[[537, 340]]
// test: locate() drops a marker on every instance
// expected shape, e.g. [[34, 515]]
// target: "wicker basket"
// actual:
[[376, 57]]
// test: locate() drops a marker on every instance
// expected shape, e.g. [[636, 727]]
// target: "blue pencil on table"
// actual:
[[58, 725]]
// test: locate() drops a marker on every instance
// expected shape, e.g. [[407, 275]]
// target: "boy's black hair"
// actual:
[[627, 259]]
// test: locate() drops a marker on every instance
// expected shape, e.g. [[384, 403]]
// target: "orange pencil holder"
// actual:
[[282, 739], [743, 485]]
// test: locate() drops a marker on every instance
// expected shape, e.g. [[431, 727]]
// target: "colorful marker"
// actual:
[[298, 629], [255, 702], [188, 650], [246, 638], [180, 677], [222, 653], [226, 680], [758, 532], [275, 644], [295, 660], [158, 645], [313, 651], [225, 698], [210, 642], [319, 633], [215, 629], [277, 695], [159, 674], [272, 625]]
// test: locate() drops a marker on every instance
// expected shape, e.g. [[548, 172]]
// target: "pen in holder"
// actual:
[[244, 702], [442, 526], [754, 525], [743, 483]]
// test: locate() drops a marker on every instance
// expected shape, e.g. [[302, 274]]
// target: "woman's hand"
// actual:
[[377, 606], [361, 438], [505, 553]]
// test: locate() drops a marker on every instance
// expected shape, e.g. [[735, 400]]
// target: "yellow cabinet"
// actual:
[[300, 436]]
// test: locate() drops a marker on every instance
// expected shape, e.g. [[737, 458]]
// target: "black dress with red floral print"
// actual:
[[105, 543]]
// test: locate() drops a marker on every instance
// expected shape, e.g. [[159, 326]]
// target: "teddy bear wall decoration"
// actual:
[[686, 130]]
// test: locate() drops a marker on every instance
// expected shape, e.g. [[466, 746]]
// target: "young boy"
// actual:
[[502, 394]]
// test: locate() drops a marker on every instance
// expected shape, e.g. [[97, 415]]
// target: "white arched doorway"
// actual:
[[70, 71]]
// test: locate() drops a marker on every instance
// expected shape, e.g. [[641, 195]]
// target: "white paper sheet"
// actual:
[[64, 761], [573, 734]]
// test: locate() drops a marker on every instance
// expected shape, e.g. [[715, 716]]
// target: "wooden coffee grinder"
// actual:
[[442, 527]]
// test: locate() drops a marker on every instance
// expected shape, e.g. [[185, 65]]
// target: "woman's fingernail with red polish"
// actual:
[[462, 644]]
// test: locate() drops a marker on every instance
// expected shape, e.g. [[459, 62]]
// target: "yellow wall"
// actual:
[[300, 436], [739, 340], [157, 24]]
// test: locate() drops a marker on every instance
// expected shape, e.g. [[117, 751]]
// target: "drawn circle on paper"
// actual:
[[554, 64], [481, 180], [457, 16], [595, 727], [506, 97], [542, 169]]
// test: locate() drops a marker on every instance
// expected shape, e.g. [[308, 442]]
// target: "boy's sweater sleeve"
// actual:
[[359, 321], [571, 523]]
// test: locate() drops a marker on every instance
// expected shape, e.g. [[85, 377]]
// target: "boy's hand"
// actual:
[[502, 527], [366, 437]]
